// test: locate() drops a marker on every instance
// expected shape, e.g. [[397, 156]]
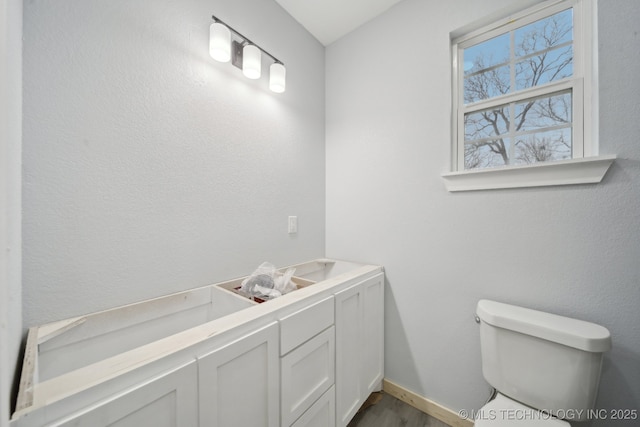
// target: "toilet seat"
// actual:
[[505, 412]]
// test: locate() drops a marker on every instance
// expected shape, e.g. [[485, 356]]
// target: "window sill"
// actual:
[[587, 170]]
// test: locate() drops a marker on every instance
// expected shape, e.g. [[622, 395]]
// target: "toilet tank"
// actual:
[[543, 360]]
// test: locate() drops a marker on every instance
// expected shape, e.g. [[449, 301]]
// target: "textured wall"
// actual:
[[570, 250], [149, 168], [10, 194]]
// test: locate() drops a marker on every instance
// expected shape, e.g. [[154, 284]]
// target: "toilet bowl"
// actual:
[[505, 412]]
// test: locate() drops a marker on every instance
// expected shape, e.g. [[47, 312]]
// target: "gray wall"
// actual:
[[572, 250], [10, 193], [150, 168]]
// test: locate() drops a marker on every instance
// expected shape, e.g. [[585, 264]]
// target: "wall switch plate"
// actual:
[[293, 224]]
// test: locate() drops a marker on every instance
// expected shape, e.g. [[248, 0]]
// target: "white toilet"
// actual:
[[545, 368]]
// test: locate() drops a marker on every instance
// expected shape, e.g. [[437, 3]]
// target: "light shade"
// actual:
[[251, 62], [220, 42], [277, 77]]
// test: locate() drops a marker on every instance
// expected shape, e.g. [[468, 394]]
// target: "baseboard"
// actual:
[[425, 405]]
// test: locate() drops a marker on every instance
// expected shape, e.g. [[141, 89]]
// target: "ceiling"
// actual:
[[328, 20]]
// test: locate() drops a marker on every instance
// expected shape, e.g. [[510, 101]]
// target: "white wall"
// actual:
[[149, 168], [10, 238], [569, 250]]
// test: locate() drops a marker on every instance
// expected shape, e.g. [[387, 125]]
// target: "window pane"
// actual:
[[493, 153], [544, 34], [543, 147], [545, 67], [554, 110], [486, 124], [543, 53], [487, 84], [487, 54]]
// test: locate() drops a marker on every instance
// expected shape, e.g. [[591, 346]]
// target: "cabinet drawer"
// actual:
[[300, 326], [322, 413], [307, 372]]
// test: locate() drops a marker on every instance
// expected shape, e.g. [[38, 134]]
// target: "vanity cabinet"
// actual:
[[210, 357], [359, 345]]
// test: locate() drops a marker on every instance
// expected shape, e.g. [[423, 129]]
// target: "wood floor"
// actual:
[[391, 412]]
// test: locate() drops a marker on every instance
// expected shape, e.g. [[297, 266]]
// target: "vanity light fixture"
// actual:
[[244, 54], [277, 77], [251, 62], [220, 42]]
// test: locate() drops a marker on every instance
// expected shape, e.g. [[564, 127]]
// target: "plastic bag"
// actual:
[[267, 283]]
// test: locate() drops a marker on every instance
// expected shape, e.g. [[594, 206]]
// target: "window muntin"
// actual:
[[520, 90]]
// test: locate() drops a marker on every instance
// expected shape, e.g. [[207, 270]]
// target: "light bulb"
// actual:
[[251, 62], [219, 42], [277, 77]]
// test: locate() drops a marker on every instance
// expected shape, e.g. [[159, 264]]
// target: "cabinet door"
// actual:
[[359, 345], [239, 383], [348, 353], [373, 334], [169, 400]]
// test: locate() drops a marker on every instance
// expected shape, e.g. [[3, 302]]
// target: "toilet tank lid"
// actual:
[[551, 327]]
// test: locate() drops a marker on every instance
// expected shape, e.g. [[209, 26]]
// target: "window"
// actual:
[[524, 89]]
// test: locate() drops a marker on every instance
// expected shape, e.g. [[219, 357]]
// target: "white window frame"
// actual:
[[585, 166]]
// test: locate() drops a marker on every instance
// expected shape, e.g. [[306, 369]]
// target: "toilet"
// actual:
[[545, 368]]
